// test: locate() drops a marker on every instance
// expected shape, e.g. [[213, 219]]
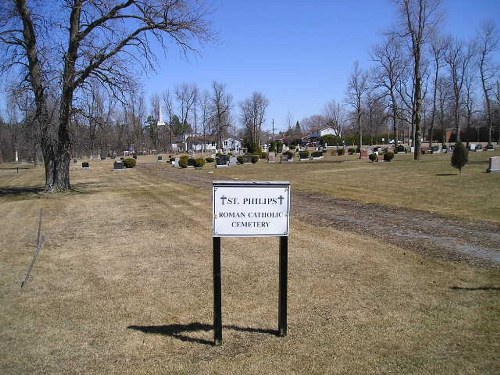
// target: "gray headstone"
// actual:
[[271, 157], [85, 165], [247, 159], [118, 165], [494, 164], [221, 161], [233, 160]]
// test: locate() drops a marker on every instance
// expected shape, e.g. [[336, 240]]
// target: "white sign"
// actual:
[[251, 209]]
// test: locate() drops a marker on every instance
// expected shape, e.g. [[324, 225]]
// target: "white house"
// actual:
[[319, 132], [231, 144]]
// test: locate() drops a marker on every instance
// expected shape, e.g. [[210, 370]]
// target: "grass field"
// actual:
[[124, 282]]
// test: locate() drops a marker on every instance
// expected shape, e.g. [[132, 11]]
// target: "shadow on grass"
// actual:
[[446, 174], [180, 331], [487, 288], [20, 191]]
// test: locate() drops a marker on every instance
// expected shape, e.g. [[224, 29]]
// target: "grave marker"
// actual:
[[494, 164], [233, 160], [118, 164], [221, 161]]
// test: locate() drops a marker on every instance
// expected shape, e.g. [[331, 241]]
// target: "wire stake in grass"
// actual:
[[39, 245]]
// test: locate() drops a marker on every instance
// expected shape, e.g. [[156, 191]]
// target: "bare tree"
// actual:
[[205, 116], [186, 96], [356, 91], [375, 113], [388, 73], [487, 44], [253, 112], [221, 104], [439, 46], [458, 57], [419, 18], [335, 116], [103, 38]]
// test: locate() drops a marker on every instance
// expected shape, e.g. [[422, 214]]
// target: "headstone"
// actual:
[[364, 153], [85, 165], [118, 165], [472, 147], [159, 158], [233, 160], [175, 163], [271, 157], [435, 150], [221, 161], [494, 164]]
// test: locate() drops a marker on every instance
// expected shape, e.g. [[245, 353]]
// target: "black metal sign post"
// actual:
[[282, 305], [251, 209], [217, 293]]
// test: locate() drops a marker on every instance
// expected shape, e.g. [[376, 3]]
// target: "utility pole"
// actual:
[[273, 132]]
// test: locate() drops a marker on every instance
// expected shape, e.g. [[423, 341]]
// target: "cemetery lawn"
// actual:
[[123, 283]]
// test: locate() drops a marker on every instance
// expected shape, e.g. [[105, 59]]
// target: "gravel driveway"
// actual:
[[474, 242]]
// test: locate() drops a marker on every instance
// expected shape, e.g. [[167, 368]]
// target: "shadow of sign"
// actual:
[[485, 288], [181, 331]]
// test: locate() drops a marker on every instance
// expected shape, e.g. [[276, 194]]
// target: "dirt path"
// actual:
[[475, 242]]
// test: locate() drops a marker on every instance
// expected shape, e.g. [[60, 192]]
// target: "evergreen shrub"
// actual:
[[388, 156], [129, 163]]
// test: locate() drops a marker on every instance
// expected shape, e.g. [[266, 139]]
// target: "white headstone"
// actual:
[[494, 164]]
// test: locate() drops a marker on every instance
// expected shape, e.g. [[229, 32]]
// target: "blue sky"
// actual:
[[298, 53]]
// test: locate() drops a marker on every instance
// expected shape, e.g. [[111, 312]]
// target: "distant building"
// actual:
[[231, 144], [319, 132]]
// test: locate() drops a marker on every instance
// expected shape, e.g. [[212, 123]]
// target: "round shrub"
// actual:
[[304, 154], [340, 152], [317, 154], [264, 155], [184, 161], [199, 162], [209, 160], [388, 156], [255, 158], [351, 151], [373, 157], [129, 163], [239, 159]]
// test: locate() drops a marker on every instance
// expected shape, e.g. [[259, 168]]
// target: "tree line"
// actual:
[[76, 98]]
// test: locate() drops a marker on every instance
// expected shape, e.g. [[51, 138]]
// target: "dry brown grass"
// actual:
[[124, 285]]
